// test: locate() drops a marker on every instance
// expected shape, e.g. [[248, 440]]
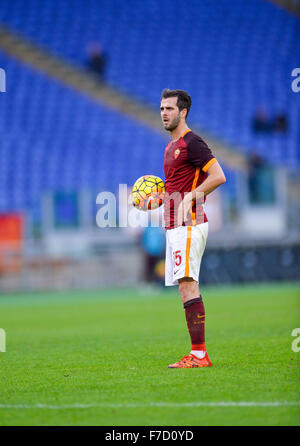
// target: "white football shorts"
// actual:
[[184, 249]]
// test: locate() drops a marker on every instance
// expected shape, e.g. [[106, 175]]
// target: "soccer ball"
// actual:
[[148, 192]]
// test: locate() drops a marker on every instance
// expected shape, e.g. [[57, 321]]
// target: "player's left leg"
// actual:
[[194, 314]]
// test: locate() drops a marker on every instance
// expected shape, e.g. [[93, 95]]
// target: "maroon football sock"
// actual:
[[195, 318]]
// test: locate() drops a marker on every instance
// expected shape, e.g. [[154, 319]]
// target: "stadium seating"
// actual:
[[54, 138], [232, 56]]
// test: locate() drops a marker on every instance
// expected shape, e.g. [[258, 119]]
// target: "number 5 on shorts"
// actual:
[[177, 258]]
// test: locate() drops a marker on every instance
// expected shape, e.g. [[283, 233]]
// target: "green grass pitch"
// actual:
[[101, 357]]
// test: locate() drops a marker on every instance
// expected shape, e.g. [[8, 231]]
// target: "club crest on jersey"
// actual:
[[176, 153]]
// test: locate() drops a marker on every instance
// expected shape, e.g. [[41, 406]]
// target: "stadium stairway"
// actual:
[[74, 76]]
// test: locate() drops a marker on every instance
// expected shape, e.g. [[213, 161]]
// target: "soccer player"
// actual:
[[191, 173]]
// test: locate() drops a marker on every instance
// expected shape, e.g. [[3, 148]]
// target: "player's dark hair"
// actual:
[[183, 98]]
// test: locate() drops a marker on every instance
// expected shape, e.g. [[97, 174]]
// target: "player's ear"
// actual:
[[183, 113]]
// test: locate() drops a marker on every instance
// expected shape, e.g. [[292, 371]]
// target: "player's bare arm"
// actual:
[[216, 178]]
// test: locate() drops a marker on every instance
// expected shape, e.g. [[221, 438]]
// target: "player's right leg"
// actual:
[[195, 319], [187, 245]]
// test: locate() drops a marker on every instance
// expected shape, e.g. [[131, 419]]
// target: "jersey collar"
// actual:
[[184, 133]]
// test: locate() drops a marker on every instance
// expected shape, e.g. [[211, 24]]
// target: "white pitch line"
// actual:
[[158, 404]]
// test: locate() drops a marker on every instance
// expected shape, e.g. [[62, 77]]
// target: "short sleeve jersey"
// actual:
[[186, 162]]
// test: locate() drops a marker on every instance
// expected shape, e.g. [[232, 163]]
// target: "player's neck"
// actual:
[[179, 131]]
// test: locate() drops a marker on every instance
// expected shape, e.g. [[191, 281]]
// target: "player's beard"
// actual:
[[173, 124]]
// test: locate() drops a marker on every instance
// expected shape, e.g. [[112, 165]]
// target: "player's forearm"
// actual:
[[211, 183]]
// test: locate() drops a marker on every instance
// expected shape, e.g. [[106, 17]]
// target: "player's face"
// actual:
[[170, 114]]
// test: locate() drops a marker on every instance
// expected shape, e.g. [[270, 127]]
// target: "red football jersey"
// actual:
[[186, 163]]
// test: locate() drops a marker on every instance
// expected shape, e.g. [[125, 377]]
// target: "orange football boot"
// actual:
[[190, 361]]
